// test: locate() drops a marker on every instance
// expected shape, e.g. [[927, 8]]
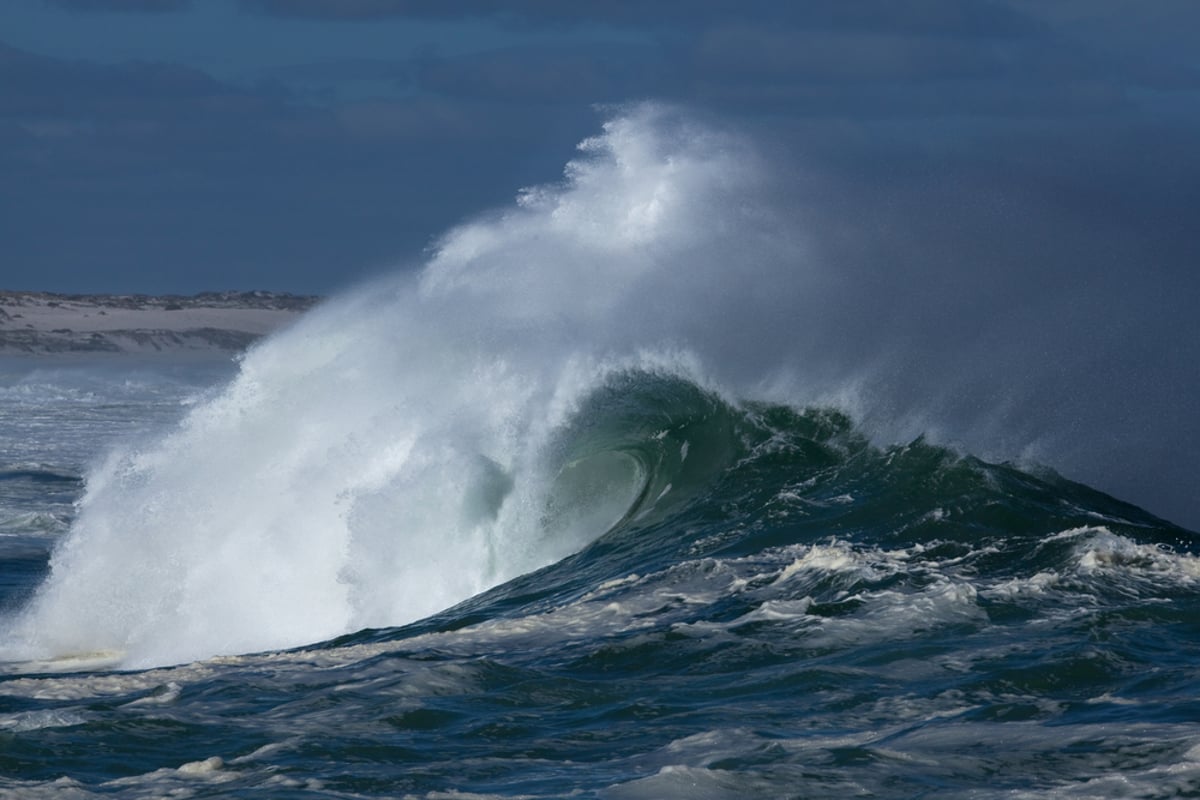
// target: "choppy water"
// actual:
[[781, 609], [495, 529]]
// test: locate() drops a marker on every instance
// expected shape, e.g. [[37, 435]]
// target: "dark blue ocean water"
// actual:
[[764, 604]]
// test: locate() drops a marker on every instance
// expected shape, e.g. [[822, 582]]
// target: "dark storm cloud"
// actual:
[[980, 91], [931, 16], [848, 75], [601, 72], [121, 5], [161, 177], [864, 60], [852, 57]]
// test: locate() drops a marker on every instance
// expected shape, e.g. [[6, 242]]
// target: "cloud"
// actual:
[[848, 74], [945, 91], [146, 176], [131, 6], [929, 16], [595, 73], [921, 60]]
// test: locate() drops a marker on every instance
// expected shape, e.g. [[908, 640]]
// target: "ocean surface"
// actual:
[[538, 519], [771, 607]]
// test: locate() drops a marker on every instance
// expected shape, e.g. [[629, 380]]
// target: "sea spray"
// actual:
[[390, 454]]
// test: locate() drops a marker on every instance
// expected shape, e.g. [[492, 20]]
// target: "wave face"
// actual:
[[574, 366], [759, 600], [401, 449]]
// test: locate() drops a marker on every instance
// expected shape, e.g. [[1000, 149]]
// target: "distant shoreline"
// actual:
[[46, 323]]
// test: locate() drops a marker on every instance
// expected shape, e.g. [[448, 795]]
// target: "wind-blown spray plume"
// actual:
[[395, 452]]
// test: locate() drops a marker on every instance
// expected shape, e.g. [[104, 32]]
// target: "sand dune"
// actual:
[[40, 323]]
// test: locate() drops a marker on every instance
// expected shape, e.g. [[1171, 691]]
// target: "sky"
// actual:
[[180, 145], [1003, 194]]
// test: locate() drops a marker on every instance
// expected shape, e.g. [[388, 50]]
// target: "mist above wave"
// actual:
[[384, 458]]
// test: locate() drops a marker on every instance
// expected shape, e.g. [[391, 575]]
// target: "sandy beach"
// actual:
[[41, 323]]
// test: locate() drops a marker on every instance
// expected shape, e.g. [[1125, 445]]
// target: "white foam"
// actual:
[[837, 557], [1103, 551], [693, 783], [1036, 585], [36, 720]]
